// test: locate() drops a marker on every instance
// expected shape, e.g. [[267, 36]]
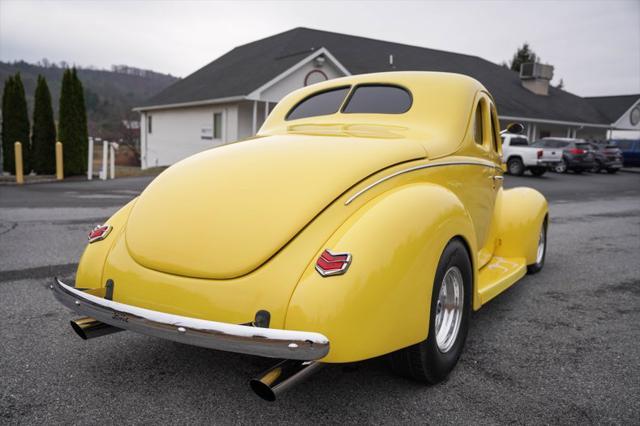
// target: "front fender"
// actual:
[[382, 303]]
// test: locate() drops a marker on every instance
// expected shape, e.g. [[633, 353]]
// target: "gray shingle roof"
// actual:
[[247, 67], [613, 106]]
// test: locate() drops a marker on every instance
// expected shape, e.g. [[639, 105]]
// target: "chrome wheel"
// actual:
[[542, 245], [561, 167], [449, 309]]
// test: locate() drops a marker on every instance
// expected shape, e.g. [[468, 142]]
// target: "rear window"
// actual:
[[322, 103], [378, 99], [519, 142], [584, 146]]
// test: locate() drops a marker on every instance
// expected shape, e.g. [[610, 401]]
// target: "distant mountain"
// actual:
[[109, 94]]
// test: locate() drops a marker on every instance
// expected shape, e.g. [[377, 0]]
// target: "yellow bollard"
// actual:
[[17, 147], [59, 169]]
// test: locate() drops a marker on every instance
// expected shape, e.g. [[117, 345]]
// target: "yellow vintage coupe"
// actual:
[[367, 217]]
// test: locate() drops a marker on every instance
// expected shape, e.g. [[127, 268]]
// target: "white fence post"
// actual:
[[105, 158], [112, 159], [90, 163]]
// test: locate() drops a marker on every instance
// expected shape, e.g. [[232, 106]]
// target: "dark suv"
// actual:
[[608, 157], [576, 154]]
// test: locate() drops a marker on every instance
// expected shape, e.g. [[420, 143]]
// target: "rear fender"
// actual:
[[381, 304], [520, 214], [92, 262]]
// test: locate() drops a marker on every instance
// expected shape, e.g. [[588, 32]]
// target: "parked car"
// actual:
[[576, 154], [366, 218], [630, 151], [519, 156], [607, 157]]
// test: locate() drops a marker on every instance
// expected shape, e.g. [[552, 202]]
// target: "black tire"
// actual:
[[424, 361], [515, 166], [537, 267], [538, 171], [597, 168], [578, 171], [612, 171]]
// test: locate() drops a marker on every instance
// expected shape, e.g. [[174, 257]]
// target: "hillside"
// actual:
[[109, 95]]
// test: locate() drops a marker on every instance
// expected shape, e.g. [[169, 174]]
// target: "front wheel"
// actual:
[[515, 166], [541, 252], [612, 171], [433, 359]]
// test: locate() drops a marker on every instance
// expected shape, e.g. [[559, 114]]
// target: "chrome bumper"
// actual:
[[268, 342]]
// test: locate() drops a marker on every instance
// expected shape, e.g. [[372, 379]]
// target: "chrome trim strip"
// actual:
[[268, 342], [420, 167]]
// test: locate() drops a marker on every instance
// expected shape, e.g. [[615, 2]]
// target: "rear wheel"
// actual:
[[561, 167], [541, 253], [431, 360], [612, 171], [538, 171], [515, 166], [597, 168]]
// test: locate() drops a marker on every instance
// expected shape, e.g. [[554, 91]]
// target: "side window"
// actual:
[[478, 124], [149, 123], [494, 130], [322, 103]]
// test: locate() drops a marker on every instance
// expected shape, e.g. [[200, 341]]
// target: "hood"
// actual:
[[224, 212]]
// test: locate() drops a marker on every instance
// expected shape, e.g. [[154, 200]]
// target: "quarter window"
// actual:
[[478, 125], [323, 103], [378, 99]]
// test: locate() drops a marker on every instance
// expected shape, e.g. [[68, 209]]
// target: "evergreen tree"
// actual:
[[43, 142], [72, 126], [7, 145], [15, 124], [523, 55]]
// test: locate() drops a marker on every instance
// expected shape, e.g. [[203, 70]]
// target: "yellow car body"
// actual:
[[238, 229]]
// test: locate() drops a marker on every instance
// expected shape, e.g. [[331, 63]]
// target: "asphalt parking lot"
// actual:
[[559, 347]]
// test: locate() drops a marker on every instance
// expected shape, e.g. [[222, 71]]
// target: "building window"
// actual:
[[217, 125], [149, 124]]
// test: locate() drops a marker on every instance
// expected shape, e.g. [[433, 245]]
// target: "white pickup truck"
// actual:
[[519, 156]]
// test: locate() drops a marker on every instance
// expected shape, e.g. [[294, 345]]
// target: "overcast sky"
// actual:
[[594, 45]]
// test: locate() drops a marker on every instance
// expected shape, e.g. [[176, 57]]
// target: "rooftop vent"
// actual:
[[535, 77]]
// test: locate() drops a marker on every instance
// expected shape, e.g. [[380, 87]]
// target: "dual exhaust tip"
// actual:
[[267, 385]]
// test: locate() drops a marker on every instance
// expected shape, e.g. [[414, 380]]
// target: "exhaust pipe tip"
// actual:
[[89, 328], [78, 329], [263, 390], [281, 377]]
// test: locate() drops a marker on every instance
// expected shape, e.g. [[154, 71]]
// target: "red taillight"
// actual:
[[539, 153], [577, 151], [98, 233], [333, 263]]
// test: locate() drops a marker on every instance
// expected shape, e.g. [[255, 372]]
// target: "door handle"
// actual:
[[498, 177]]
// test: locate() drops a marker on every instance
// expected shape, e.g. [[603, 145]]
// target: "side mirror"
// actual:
[[515, 128]]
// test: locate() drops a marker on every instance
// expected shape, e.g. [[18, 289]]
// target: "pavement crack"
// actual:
[[13, 226]]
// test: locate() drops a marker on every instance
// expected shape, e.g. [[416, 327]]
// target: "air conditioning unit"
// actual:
[[532, 70]]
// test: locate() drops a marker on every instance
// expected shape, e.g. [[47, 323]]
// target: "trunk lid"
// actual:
[[224, 212]]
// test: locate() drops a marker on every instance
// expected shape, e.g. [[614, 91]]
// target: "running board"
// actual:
[[498, 275]]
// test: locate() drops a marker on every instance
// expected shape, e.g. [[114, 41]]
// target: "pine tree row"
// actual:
[[38, 145]]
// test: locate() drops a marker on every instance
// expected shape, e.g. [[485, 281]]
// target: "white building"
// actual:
[[229, 98]]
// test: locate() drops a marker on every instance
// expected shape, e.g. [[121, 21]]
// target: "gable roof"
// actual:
[[246, 68], [613, 107]]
